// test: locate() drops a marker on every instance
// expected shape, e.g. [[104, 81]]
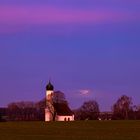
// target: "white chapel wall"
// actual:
[[65, 118], [47, 115]]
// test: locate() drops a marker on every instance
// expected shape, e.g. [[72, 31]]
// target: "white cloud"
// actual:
[[84, 92]]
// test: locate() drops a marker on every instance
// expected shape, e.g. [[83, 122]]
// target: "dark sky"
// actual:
[[89, 48]]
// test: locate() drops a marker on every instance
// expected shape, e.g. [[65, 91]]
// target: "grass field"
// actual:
[[82, 130]]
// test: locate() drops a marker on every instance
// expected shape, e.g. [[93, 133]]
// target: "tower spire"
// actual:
[[50, 80], [49, 86]]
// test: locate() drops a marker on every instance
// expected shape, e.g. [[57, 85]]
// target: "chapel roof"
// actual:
[[62, 109]]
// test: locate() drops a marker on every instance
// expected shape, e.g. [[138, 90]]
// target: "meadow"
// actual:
[[78, 130]]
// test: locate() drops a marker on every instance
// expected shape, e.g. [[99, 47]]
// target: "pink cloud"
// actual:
[[13, 16], [84, 92]]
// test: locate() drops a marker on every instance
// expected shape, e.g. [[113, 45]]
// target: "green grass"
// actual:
[[82, 130]]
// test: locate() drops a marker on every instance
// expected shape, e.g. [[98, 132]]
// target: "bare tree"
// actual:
[[137, 112], [89, 110], [123, 107], [22, 104], [59, 97]]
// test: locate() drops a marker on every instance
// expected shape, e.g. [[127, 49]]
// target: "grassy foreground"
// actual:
[[82, 130]]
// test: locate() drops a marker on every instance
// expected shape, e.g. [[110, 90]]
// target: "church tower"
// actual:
[[49, 110], [49, 91]]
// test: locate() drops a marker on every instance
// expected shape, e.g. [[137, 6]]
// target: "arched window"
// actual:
[[68, 119], [65, 119]]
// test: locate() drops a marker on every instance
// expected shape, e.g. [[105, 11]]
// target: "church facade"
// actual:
[[56, 111]]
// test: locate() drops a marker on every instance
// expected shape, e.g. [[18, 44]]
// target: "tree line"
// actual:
[[122, 109]]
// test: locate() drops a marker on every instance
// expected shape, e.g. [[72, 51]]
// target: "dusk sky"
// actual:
[[89, 48]]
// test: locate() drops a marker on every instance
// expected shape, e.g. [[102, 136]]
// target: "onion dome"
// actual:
[[49, 86]]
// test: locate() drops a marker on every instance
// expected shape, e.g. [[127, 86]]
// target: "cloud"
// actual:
[[84, 92], [18, 17]]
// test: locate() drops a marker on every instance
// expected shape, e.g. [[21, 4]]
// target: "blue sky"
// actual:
[[90, 49]]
